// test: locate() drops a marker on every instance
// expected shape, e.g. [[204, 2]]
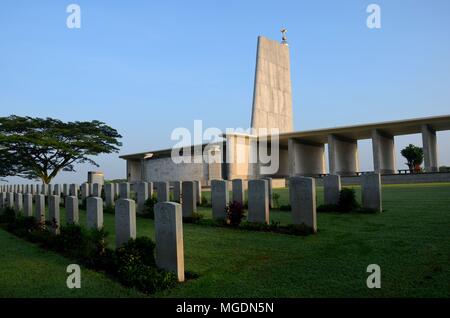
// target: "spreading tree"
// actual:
[[413, 155], [37, 148]]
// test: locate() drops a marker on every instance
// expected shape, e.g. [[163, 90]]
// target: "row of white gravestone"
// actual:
[[302, 197], [188, 193], [49, 189], [168, 222], [113, 191], [370, 191]]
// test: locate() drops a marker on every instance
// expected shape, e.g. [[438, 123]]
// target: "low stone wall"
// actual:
[[398, 178]]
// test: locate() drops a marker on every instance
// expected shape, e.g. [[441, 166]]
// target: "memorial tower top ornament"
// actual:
[[284, 37]]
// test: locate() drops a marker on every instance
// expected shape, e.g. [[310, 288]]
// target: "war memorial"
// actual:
[[300, 153], [253, 213]]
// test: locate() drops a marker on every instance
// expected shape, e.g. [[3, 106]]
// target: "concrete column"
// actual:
[[383, 152], [306, 158], [343, 155], [429, 149]]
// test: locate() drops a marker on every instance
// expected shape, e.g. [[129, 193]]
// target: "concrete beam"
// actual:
[[383, 152], [306, 159], [343, 155], [429, 148]]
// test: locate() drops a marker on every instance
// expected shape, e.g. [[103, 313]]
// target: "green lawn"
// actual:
[[28, 271], [410, 241]]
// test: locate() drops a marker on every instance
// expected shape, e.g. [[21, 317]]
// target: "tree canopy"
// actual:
[[413, 155], [37, 148]]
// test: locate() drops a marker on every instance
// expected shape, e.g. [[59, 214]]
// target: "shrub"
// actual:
[[70, 238], [7, 215], [347, 200], [22, 226], [135, 267], [204, 202], [235, 213], [139, 250], [149, 208], [146, 278], [94, 249], [87, 246]]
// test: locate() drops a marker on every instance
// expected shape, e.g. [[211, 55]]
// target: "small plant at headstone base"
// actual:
[[52, 224], [135, 267], [276, 227], [204, 202], [95, 249], [276, 200], [347, 200], [235, 213], [71, 238], [149, 208]]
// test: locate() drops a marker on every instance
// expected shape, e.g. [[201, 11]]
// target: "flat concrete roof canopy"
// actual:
[[364, 131], [356, 132]]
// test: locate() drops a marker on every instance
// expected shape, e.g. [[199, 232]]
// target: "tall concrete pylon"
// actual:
[[272, 96]]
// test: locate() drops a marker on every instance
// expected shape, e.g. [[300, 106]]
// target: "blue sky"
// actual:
[[147, 67]]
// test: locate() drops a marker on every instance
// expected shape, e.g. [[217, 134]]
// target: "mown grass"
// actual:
[[410, 241]]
